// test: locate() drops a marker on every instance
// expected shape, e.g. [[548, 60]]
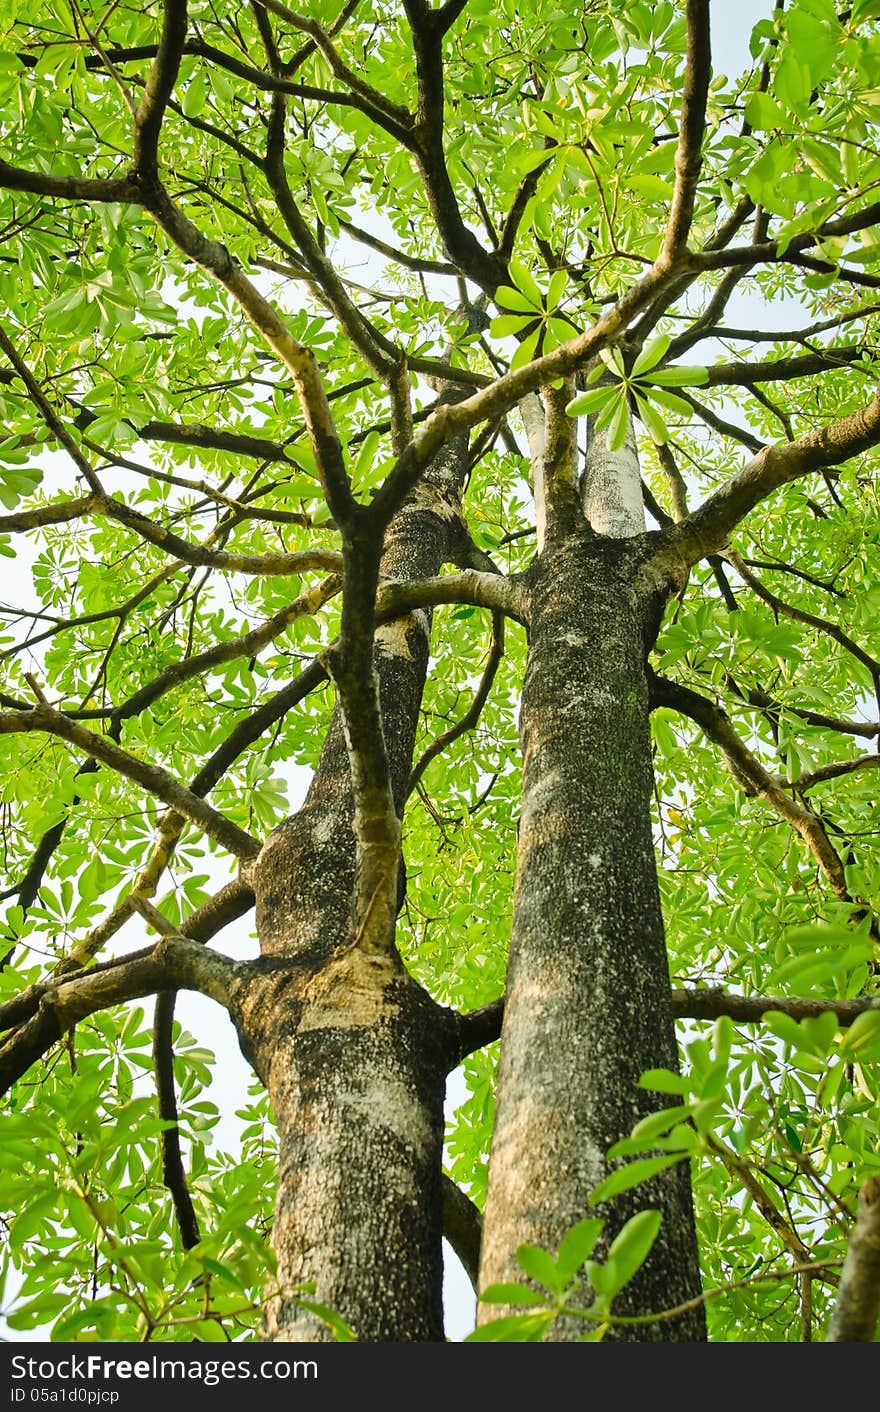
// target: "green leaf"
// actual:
[[618, 425], [630, 1175], [210, 1331], [530, 161], [596, 1335], [526, 283], [631, 1247], [654, 423], [670, 401], [303, 455], [613, 360], [526, 350], [516, 1328], [814, 1035], [334, 1321], [40, 1310], [784, 1027], [81, 1216], [862, 1040], [763, 112], [515, 299], [679, 375], [654, 187], [819, 936], [664, 1081], [820, 1032], [366, 455], [556, 289], [511, 1294], [649, 1128], [792, 81], [31, 1220], [194, 94], [98, 1314], [507, 325], [577, 1246], [540, 1266], [590, 401], [652, 354]]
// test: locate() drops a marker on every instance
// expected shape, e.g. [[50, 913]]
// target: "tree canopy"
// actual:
[[273, 279]]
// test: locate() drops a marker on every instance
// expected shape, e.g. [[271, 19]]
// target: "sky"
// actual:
[[732, 21]]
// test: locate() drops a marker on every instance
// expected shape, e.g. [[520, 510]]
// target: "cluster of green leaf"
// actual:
[[646, 385], [561, 1278], [90, 1249]]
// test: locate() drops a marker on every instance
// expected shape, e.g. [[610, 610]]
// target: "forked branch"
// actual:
[[173, 963]]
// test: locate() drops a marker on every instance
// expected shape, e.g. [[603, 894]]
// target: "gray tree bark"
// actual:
[[354, 1054], [588, 1005]]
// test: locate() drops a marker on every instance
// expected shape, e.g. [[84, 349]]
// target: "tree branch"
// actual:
[[508, 390], [472, 715], [798, 615], [248, 644], [173, 963], [173, 1171], [199, 555], [202, 556], [150, 777], [376, 824], [768, 252], [380, 353], [743, 1173], [450, 420], [159, 87], [688, 154], [378, 102], [783, 369], [26, 891], [462, 1227], [461, 245], [483, 590], [706, 529], [724, 428], [710, 1003], [760, 701], [832, 772], [48, 413], [104, 191], [475, 1029], [751, 775], [409, 262], [237, 897]]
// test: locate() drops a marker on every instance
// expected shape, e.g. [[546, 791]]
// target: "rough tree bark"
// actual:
[[354, 1054], [588, 1004]]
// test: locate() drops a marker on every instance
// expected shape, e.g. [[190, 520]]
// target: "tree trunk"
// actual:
[[352, 1051], [354, 1057], [588, 998]]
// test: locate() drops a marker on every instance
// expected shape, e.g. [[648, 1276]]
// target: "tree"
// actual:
[[345, 351]]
